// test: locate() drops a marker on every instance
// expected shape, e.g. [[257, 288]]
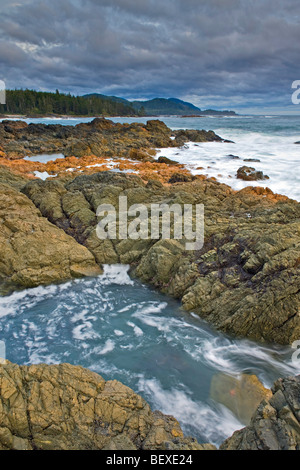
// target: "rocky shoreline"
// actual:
[[245, 280], [66, 407]]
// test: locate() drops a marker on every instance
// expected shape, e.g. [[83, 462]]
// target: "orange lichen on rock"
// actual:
[[23, 167], [89, 164], [148, 169], [266, 193]]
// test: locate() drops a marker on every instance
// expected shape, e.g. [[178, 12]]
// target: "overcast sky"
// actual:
[[225, 54]]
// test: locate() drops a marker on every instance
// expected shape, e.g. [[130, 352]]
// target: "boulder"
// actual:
[[32, 250], [140, 155], [247, 173], [193, 135], [167, 161]]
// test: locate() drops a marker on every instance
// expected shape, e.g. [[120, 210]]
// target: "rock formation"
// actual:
[[100, 137], [32, 250], [276, 423], [247, 173], [245, 280], [65, 407]]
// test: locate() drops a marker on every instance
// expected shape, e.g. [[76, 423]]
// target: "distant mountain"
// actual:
[[108, 98], [170, 106], [213, 112], [163, 106]]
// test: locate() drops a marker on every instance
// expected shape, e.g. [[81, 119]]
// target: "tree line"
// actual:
[[31, 102]]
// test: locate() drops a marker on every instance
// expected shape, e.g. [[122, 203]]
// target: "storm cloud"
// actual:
[[237, 54]]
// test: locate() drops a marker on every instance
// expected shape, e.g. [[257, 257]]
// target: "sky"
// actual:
[[241, 55]]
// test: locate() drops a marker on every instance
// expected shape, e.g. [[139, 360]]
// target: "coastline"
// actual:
[[138, 147], [239, 282]]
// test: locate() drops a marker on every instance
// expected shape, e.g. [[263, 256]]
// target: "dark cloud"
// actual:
[[230, 53]]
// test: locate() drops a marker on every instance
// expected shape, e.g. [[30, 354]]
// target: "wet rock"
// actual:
[[275, 424], [13, 126], [247, 173], [251, 160], [240, 395], [193, 135], [167, 161], [65, 407]]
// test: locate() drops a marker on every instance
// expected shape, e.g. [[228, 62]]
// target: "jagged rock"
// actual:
[[246, 278], [12, 126], [193, 135], [276, 423], [247, 173], [32, 250], [167, 161], [100, 137], [66, 407]]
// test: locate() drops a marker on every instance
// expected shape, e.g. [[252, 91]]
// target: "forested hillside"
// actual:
[[43, 103]]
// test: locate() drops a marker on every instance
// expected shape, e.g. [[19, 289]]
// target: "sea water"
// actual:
[[124, 330], [269, 139]]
